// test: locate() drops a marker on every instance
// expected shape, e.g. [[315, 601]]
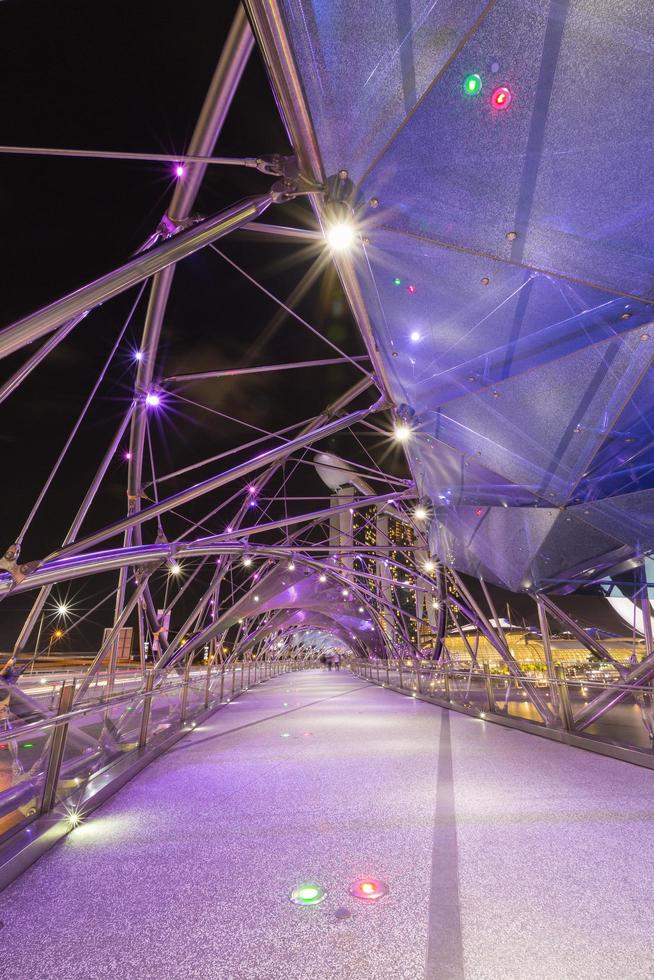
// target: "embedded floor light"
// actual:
[[368, 889], [308, 893], [322, 578]]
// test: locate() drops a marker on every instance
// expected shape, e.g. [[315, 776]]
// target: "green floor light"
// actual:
[[308, 893]]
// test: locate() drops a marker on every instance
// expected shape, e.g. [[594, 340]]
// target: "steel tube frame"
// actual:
[[267, 22], [215, 482], [78, 520], [476, 616], [32, 362], [181, 245], [231, 64]]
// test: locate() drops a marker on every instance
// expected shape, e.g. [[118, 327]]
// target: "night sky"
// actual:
[[132, 76]]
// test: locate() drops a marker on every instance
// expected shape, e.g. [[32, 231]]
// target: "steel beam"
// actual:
[[141, 267], [267, 21], [215, 482]]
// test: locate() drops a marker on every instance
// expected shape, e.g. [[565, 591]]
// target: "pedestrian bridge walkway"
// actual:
[[505, 855]]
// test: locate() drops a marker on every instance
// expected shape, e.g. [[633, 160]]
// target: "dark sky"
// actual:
[[132, 76]]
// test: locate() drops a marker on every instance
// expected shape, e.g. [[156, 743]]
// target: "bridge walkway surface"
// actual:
[[505, 855]]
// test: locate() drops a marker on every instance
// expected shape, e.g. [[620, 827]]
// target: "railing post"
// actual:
[[446, 682], [222, 682], [388, 676], [249, 667], [185, 684], [207, 684], [233, 678], [378, 672], [57, 746], [565, 711], [147, 707], [488, 682], [399, 670]]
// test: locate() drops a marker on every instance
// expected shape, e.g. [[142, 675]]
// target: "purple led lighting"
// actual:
[[415, 336], [252, 489], [127, 456], [152, 399], [138, 355], [179, 171]]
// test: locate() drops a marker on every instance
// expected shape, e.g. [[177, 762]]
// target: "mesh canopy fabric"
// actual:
[[508, 270]]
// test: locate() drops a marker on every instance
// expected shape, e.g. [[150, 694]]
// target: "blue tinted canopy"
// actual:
[[507, 271]]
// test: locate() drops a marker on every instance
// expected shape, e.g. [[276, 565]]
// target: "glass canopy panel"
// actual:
[[625, 461], [522, 547], [449, 324], [508, 270], [541, 429], [561, 170], [364, 66], [629, 516]]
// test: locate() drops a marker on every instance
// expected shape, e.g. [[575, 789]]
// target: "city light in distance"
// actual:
[[340, 236], [175, 568], [62, 609], [429, 566]]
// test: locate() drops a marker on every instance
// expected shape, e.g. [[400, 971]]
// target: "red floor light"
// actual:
[[368, 889], [501, 97]]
